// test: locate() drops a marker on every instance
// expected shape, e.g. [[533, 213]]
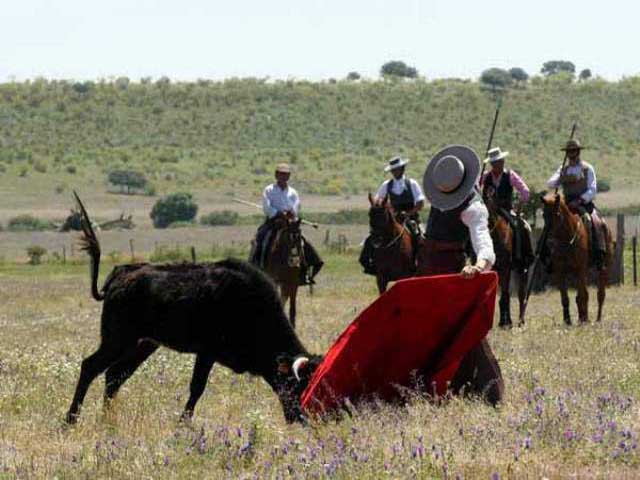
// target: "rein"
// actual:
[[394, 240]]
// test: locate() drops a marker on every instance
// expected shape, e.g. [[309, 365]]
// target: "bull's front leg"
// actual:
[[204, 364]]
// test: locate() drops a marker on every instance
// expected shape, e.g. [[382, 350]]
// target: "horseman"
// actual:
[[578, 181], [281, 203], [498, 186], [458, 214], [406, 199]]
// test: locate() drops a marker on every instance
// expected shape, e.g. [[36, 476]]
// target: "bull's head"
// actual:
[[292, 378]]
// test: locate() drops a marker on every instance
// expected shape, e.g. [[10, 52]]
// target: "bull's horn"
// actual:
[[297, 364]]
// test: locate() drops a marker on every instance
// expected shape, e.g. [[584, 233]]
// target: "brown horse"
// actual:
[[503, 244], [570, 246], [392, 246], [284, 261]]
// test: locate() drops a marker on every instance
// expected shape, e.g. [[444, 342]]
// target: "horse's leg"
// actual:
[[92, 366], [118, 373], [284, 296], [522, 294], [293, 293], [564, 297], [201, 369], [382, 283], [505, 298], [603, 280], [582, 297]]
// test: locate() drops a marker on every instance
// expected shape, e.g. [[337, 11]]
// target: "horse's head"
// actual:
[[551, 207], [381, 218], [287, 243]]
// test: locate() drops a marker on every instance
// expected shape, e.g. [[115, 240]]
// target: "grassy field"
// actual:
[[572, 406], [226, 136]]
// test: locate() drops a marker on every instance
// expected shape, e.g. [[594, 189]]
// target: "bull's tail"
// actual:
[[90, 244]]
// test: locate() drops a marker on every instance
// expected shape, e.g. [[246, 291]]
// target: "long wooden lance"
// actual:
[[259, 207], [493, 131], [543, 235]]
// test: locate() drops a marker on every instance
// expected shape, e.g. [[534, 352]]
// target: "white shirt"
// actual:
[[476, 218], [275, 199], [398, 187], [590, 194]]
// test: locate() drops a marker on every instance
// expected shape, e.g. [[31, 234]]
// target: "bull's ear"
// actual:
[[284, 364]]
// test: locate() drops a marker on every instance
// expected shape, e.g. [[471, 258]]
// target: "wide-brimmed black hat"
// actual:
[[450, 176]]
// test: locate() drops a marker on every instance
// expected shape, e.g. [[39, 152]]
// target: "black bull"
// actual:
[[226, 312]]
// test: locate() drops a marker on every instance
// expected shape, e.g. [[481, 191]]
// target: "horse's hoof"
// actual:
[[506, 326]]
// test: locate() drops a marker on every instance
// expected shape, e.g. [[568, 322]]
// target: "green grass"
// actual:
[[571, 406], [228, 135]]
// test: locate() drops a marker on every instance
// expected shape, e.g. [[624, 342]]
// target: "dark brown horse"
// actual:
[[392, 247], [284, 261], [569, 245], [503, 244]]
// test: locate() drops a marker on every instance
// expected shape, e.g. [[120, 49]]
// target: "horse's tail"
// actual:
[[89, 243]]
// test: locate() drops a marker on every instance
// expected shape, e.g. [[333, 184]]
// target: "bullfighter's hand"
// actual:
[[470, 271]]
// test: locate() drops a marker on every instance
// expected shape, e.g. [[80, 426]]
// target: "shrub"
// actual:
[[173, 208], [222, 217], [128, 179], [603, 185], [27, 223], [40, 166], [35, 253], [71, 169]]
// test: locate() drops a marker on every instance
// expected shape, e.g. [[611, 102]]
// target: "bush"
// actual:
[[71, 169], [603, 185], [35, 253], [27, 223], [176, 207], [128, 179], [181, 224], [223, 217]]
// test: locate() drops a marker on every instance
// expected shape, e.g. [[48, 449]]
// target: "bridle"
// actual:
[[377, 239]]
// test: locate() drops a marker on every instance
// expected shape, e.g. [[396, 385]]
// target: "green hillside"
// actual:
[[228, 135]]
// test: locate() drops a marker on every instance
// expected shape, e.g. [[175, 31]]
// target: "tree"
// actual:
[[518, 74], [128, 179], [177, 207], [496, 78], [553, 67], [585, 74], [353, 76], [396, 68]]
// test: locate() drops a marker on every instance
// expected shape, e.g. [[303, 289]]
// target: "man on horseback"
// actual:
[[498, 186], [578, 181], [280, 202], [406, 199]]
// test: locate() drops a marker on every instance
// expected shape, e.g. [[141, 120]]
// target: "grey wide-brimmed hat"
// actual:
[[495, 154], [396, 162], [450, 176]]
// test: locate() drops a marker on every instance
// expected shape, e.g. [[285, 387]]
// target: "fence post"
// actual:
[[133, 256], [619, 257], [193, 254], [634, 247], [64, 254]]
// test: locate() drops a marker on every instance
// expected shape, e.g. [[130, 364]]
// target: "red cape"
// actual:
[[425, 324]]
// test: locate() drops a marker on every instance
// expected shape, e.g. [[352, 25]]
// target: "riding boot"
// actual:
[[366, 257]]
